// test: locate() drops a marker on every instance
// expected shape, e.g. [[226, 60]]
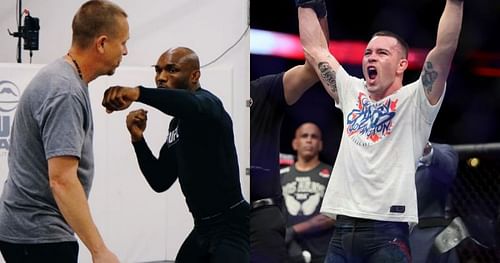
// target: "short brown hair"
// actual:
[[400, 40], [94, 18]]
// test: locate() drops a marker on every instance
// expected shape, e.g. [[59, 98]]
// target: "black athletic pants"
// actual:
[[62, 252]]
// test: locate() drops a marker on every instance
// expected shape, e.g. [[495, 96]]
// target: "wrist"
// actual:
[[136, 93], [98, 247], [319, 6], [136, 138]]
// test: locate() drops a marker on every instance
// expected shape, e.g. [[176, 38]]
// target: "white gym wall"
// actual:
[[138, 224]]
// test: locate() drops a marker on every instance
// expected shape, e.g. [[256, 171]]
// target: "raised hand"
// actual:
[[319, 6]]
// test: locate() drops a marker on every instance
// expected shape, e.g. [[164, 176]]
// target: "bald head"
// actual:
[[307, 142], [308, 126], [185, 56], [178, 68]]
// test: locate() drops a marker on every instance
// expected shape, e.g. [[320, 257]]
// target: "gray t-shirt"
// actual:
[[53, 118], [303, 193]]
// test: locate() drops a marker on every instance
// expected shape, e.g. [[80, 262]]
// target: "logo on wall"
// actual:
[[9, 97]]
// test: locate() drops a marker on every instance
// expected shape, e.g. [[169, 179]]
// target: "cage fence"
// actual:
[[475, 197]]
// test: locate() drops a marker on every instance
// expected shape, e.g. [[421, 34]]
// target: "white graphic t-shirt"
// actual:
[[381, 142]]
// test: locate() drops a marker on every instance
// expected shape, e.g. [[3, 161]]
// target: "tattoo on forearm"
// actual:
[[429, 76], [328, 75]]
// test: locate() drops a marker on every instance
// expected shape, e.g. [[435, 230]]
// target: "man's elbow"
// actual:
[[59, 184], [159, 187], [313, 54]]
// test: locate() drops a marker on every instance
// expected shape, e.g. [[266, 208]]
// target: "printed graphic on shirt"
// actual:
[[173, 136], [303, 196], [370, 122], [325, 173]]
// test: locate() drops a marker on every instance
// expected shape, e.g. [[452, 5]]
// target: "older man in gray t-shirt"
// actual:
[[28, 211], [51, 163]]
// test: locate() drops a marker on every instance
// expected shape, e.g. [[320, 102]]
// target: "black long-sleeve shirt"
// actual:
[[266, 115], [199, 150]]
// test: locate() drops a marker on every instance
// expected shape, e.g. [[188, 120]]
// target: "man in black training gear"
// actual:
[[199, 150]]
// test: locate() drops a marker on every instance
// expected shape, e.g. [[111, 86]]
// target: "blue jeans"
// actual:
[[357, 240]]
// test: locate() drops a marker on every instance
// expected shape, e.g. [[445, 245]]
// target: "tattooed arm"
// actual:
[[438, 62], [316, 50], [300, 78]]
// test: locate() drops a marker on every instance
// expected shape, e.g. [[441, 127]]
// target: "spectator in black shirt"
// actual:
[[199, 151], [270, 95]]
